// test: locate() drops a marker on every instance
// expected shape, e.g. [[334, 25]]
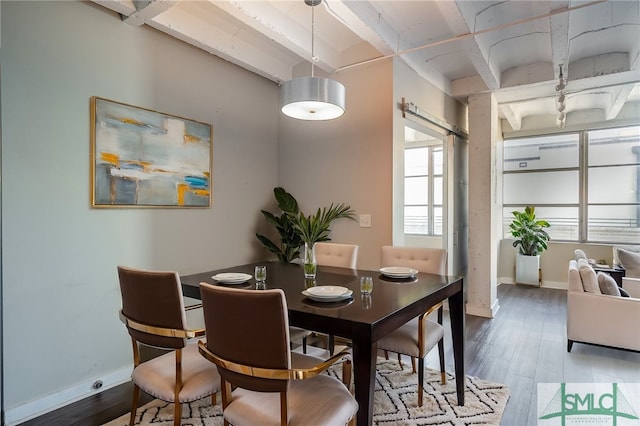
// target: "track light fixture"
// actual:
[[560, 88]]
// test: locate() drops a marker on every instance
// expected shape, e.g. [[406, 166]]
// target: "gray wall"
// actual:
[[60, 289]]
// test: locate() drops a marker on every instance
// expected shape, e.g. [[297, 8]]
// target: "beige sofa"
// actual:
[[628, 257], [600, 319]]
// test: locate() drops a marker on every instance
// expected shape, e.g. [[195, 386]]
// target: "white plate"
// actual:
[[398, 272], [337, 298], [232, 277], [325, 291]]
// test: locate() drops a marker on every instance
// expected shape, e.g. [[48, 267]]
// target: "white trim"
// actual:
[[33, 409], [559, 285], [483, 311]]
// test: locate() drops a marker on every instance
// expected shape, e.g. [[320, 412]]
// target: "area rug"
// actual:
[[396, 400]]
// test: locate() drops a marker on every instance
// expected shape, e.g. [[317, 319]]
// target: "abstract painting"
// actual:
[[144, 158]]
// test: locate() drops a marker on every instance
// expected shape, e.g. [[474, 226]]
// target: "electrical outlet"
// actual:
[[365, 221]]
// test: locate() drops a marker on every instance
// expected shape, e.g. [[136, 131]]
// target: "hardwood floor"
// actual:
[[524, 345]]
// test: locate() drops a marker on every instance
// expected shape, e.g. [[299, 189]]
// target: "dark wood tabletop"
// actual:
[[363, 320]]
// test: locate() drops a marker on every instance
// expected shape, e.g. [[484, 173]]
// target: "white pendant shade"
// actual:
[[312, 98]]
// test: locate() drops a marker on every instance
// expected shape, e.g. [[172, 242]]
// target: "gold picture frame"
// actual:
[[144, 158]]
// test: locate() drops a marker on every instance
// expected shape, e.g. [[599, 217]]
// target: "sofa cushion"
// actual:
[[616, 249], [607, 284], [580, 254], [630, 261], [588, 276]]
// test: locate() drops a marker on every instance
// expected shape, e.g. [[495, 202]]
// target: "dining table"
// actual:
[[361, 319]]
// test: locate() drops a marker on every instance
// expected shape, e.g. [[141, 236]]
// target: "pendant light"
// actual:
[[312, 98]]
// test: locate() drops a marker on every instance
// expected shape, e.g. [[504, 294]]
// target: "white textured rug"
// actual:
[[395, 402]]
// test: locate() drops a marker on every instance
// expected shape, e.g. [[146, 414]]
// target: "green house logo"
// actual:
[[588, 404]]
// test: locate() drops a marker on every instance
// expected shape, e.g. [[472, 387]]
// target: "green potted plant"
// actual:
[[295, 228], [315, 227], [288, 248], [531, 239]]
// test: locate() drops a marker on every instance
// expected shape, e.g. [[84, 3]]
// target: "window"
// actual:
[[586, 184], [423, 184]]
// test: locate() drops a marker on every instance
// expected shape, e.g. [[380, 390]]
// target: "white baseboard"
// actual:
[[483, 311], [559, 285], [33, 409]]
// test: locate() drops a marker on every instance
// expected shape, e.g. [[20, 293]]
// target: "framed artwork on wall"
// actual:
[[145, 158]]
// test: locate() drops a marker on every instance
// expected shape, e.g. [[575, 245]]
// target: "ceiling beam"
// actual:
[[147, 10], [241, 48], [620, 95], [547, 88], [459, 26], [365, 21], [515, 120], [123, 7], [272, 24]]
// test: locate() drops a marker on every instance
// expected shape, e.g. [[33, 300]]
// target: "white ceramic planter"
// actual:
[[527, 269]]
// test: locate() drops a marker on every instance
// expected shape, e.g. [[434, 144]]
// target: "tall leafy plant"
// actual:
[[295, 227], [531, 238], [288, 248], [315, 227]]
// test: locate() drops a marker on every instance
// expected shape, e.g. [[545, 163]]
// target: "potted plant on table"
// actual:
[[315, 228], [295, 228], [531, 239]]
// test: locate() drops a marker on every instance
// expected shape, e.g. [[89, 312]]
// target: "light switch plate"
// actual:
[[365, 221]]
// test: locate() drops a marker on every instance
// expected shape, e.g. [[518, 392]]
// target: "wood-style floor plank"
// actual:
[[523, 346]]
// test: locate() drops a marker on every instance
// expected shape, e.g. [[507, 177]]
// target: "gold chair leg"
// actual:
[[413, 365], [386, 355], [420, 380], [214, 398], [134, 404], [443, 376], [177, 414], [346, 373], [400, 361]]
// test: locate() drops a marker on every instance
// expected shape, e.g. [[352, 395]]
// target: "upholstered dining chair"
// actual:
[[417, 337], [154, 314], [340, 256], [337, 254], [263, 382]]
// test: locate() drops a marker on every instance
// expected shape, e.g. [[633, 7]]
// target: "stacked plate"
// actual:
[[398, 272], [232, 277], [328, 293]]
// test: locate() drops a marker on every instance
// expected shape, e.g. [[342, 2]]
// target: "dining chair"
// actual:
[[340, 256], [417, 337], [263, 381], [154, 313], [337, 255]]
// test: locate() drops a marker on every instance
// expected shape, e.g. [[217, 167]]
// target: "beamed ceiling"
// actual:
[[513, 48]]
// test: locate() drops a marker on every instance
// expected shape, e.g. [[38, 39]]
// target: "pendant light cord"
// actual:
[[313, 56]]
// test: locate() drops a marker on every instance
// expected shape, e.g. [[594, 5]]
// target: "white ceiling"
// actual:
[[513, 47]]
